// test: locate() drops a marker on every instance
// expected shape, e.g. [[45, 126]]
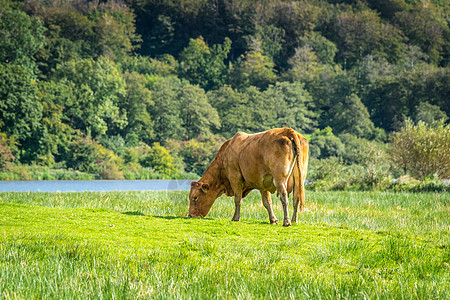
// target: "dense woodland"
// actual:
[[155, 86]]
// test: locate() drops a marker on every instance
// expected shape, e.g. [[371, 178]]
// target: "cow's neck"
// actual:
[[214, 178]]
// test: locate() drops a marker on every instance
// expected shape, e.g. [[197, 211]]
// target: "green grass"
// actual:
[[141, 245]]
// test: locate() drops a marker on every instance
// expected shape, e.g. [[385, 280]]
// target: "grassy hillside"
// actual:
[[141, 245]]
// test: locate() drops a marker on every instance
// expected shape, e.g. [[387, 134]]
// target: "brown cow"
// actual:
[[269, 161]]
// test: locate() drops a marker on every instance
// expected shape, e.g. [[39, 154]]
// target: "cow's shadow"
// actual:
[[170, 217], [139, 213], [133, 213]]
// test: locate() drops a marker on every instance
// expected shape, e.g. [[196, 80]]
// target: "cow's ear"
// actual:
[[205, 187], [195, 184]]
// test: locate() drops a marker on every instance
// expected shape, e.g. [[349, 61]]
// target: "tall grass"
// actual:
[[141, 245]]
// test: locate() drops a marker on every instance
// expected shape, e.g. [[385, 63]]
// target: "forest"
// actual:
[[141, 89]]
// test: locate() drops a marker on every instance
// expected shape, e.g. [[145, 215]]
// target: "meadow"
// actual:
[[127, 245]]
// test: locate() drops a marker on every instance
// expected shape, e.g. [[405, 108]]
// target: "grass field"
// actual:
[[140, 245]]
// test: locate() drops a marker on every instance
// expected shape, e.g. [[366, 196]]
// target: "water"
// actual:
[[94, 185]]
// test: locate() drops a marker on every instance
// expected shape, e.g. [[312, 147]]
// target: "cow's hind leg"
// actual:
[[282, 191], [299, 200], [267, 202]]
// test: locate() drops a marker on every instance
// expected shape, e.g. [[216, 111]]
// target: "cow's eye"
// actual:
[[195, 198]]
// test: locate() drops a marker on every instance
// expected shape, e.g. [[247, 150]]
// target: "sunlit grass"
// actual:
[[141, 245]]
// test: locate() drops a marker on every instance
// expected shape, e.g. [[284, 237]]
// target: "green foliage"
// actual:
[[129, 72], [250, 110], [253, 68], [157, 158], [165, 66], [203, 65], [421, 149], [83, 154], [271, 39], [87, 155], [293, 104], [351, 116], [138, 104], [197, 115], [6, 153], [57, 133], [324, 144], [166, 110], [198, 153], [231, 106], [21, 37], [361, 33], [433, 34], [429, 114], [359, 150], [322, 47], [97, 88], [20, 109], [81, 30]]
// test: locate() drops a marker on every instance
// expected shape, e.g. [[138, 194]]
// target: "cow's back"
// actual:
[[258, 157]]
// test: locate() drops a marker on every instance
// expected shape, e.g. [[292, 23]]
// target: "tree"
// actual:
[[80, 29], [293, 106], [233, 110], [83, 154], [197, 115], [362, 33], [166, 111], [351, 116], [57, 132], [20, 38], [20, 110], [324, 144], [203, 65], [138, 104], [322, 47], [429, 114], [115, 29], [253, 68], [97, 88], [272, 39], [427, 28], [304, 65]]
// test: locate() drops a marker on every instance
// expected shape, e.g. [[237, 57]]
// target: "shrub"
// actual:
[[199, 152], [110, 170], [6, 154], [158, 158], [83, 154], [325, 144], [422, 149]]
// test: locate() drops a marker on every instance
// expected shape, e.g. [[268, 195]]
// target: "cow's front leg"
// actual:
[[237, 204], [268, 205]]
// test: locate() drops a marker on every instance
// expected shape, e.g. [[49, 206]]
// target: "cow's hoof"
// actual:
[[286, 223], [235, 220], [274, 222]]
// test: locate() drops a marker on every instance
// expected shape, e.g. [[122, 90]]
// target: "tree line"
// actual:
[[109, 86]]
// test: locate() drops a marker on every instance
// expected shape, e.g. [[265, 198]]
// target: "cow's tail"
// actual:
[[301, 148]]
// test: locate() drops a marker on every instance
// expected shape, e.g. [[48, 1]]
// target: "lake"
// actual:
[[95, 185]]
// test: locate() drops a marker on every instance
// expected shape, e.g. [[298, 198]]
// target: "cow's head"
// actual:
[[201, 198]]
